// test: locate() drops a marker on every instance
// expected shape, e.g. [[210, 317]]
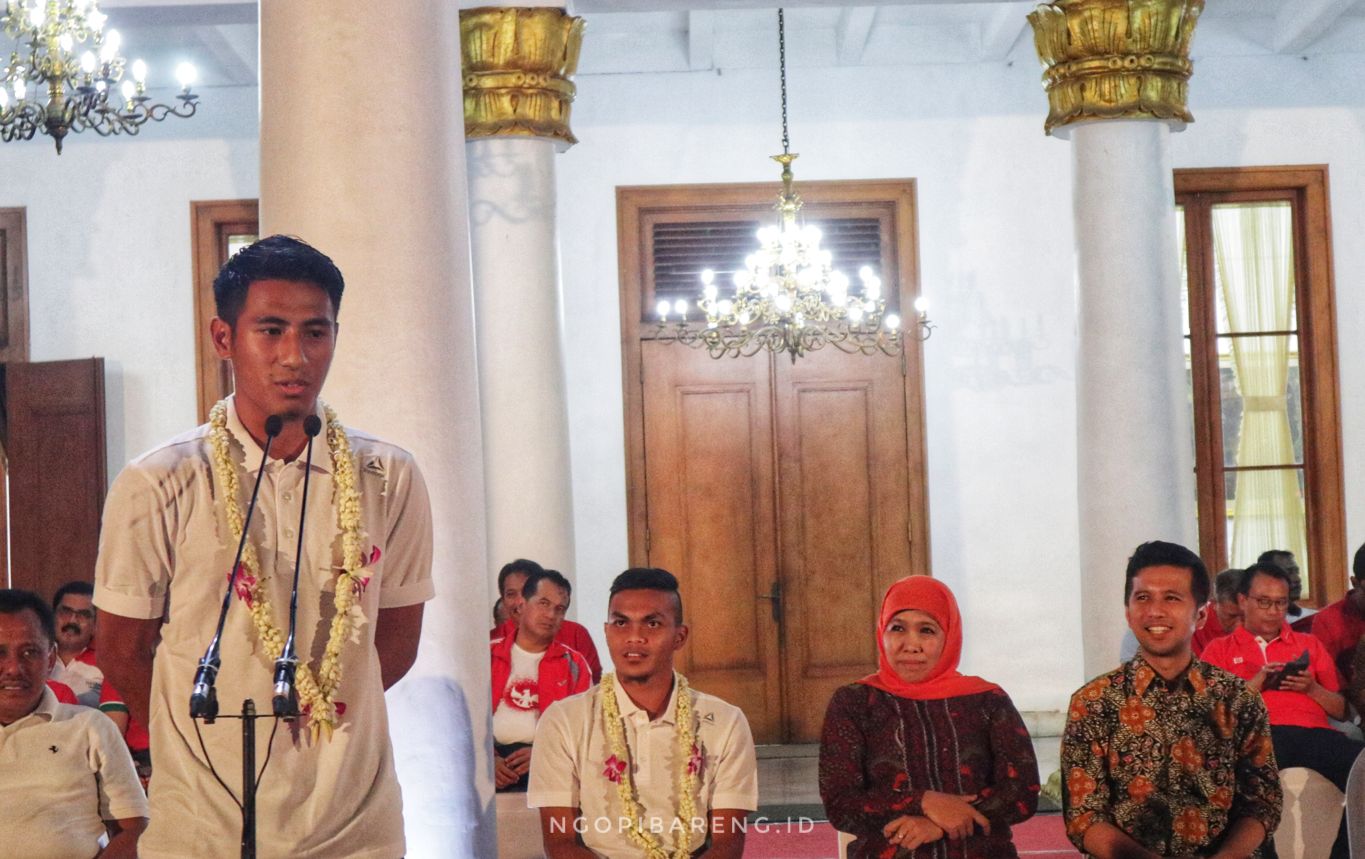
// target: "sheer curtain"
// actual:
[[1253, 247]]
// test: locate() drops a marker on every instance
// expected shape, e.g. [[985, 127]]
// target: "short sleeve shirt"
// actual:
[[1243, 654], [569, 767], [166, 551], [64, 770], [82, 675]]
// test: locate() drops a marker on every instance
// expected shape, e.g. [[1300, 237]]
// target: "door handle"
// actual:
[[775, 596]]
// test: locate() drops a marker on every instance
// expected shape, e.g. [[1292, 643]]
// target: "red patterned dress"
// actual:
[[879, 753]]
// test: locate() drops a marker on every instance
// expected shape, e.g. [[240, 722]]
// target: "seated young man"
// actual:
[[643, 765], [1300, 699], [1167, 755], [530, 672], [67, 780], [511, 582]]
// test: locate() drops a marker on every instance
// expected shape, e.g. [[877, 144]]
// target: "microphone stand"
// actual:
[[286, 700]]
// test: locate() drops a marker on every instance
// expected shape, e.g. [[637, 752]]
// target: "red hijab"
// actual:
[[944, 681]]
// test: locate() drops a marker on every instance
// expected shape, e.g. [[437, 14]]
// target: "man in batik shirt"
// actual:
[[1167, 755]]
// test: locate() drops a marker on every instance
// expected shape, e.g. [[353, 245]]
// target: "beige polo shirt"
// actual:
[[166, 551], [64, 770], [568, 765]]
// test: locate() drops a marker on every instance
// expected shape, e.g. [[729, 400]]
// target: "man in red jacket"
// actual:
[[511, 582], [531, 670]]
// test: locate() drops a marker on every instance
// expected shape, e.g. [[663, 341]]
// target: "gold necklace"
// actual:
[[316, 690]]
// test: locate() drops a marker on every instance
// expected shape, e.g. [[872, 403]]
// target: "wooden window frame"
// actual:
[[211, 223], [637, 207], [1306, 188], [14, 280]]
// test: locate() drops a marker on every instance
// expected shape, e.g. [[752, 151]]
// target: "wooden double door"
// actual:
[[785, 496]]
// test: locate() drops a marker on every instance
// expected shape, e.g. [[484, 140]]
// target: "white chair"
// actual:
[[1355, 806], [1312, 815], [518, 828]]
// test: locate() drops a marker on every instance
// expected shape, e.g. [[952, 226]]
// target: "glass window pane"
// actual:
[[1184, 276], [237, 241], [1261, 409], [1266, 511], [1253, 251]]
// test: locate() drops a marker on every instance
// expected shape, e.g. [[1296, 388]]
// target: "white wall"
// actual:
[[109, 270]]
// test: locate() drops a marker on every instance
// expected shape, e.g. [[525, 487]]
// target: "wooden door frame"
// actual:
[[211, 222], [14, 234], [635, 203]]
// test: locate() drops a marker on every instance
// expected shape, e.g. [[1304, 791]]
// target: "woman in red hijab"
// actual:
[[919, 760]]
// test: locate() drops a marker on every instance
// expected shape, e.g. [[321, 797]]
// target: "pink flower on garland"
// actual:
[[245, 583], [694, 761], [358, 582], [614, 769]]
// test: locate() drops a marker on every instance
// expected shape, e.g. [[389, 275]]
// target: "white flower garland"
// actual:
[[316, 691], [688, 769]]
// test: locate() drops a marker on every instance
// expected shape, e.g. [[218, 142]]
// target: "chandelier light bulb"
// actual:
[[783, 302], [139, 71], [95, 18], [66, 43], [873, 289], [36, 16], [185, 73], [812, 235], [100, 85], [78, 6], [662, 309], [744, 317], [866, 273], [680, 307], [707, 276], [892, 322], [855, 314], [726, 307], [743, 280], [129, 89], [20, 89], [109, 48], [921, 305], [4, 98], [88, 62], [710, 292]]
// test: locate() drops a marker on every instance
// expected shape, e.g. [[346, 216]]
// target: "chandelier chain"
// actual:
[[782, 68]]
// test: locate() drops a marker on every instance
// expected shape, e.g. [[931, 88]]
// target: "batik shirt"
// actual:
[[1171, 763]]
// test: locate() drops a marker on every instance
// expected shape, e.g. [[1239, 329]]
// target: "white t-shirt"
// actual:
[[166, 550], [64, 770], [568, 769], [85, 679], [514, 719]]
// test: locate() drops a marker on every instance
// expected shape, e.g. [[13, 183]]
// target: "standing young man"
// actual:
[[1168, 756], [531, 671], [171, 528], [643, 765]]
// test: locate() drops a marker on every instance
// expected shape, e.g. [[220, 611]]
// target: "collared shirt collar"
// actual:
[[322, 458], [1144, 675], [45, 711], [629, 708]]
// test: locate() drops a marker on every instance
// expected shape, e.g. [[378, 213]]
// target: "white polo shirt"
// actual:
[[569, 761], [64, 770], [166, 551], [82, 675]]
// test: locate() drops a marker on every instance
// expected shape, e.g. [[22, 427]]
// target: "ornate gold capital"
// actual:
[[1115, 59], [516, 68]]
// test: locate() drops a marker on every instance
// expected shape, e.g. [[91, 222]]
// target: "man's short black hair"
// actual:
[[1275, 571], [14, 601], [274, 258], [1358, 563], [1159, 553], [1269, 556], [1226, 583], [554, 577], [520, 565], [79, 588], [649, 579]]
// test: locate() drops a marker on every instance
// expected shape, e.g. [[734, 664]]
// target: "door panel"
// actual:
[[709, 485], [844, 519]]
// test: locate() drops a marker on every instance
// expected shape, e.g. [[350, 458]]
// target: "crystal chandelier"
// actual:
[[47, 86], [789, 297]]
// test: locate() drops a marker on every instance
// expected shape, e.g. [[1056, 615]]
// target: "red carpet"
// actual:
[[1041, 837]]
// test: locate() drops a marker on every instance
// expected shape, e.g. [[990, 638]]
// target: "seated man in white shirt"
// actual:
[[75, 663], [66, 778], [643, 765]]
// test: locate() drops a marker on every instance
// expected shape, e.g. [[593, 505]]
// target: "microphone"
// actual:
[[286, 700], [204, 697]]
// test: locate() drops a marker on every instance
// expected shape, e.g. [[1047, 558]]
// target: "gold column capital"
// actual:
[[1115, 59], [516, 64]]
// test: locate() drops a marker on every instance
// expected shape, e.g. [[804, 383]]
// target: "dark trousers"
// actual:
[[1324, 750]]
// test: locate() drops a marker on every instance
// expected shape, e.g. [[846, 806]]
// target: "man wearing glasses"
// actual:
[[75, 665], [1295, 675]]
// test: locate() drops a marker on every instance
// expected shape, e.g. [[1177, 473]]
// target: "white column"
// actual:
[[362, 155], [1135, 445], [521, 367]]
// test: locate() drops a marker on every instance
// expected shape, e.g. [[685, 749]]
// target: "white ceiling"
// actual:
[[634, 36]]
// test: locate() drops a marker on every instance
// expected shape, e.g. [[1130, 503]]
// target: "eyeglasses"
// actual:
[[1267, 603], [82, 613]]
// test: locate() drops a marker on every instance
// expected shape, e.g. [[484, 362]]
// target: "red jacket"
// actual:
[[563, 671], [573, 635]]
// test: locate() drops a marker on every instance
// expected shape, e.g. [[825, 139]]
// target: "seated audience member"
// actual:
[[1225, 613], [511, 582], [530, 672], [1167, 755], [643, 765], [919, 760], [75, 665], [1300, 701], [1284, 559], [67, 779], [1341, 625], [62, 692], [499, 613]]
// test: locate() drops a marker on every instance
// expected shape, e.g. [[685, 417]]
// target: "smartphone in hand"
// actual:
[[1298, 666]]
